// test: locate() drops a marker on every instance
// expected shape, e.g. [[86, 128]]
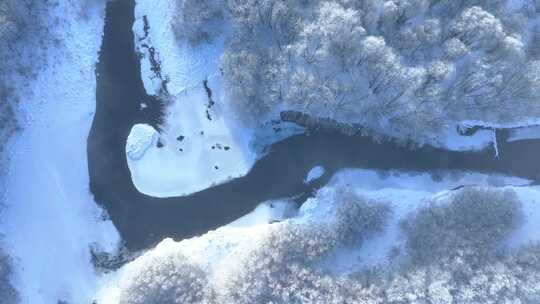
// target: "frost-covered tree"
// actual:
[[198, 21], [406, 68], [25, 38], [8, 294], [9, 24], [170, 279]]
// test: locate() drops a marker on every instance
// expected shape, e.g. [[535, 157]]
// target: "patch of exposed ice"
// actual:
[[530, 230], [314, 173], [266, 213]]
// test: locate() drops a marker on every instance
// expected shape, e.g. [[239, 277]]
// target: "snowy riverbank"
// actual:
[[51, 221], [404, 192]]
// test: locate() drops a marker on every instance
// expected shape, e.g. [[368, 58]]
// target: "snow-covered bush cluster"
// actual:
[[10, 27], [173, 280], [282, 263], [24, 41], [7, 293], [198, 21], [405, 67], [13, 26], [471, 225]]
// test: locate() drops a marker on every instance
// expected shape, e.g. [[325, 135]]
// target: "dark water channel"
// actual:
[[142, 220]]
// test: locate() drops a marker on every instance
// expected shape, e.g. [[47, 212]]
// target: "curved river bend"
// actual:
[[142, 220]]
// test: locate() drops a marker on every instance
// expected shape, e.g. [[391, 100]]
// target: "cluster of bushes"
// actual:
[[23, 42], [9, 28], [8, 21], [171, 280], [471, 225], [453, 254], [405, 67], [198, 21], [7, 293]]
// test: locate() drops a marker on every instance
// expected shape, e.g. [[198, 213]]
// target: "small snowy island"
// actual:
[[164, 166]]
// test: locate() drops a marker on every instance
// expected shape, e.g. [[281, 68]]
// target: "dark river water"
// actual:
[[143, 221]]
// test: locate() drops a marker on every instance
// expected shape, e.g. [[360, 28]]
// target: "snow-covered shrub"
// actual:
[[470, 224], [279, 269], [408, 68], [504, 279], [170, 279], [198, 20], [10, 27], [7, 293], [8, 124], [9, 22], [23, 41], [25, 38], [357, 217]]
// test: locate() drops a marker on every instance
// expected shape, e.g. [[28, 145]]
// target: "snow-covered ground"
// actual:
[[404, 191], [51, 220], [200, 145]]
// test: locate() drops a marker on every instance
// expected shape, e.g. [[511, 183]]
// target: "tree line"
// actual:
[[409, 68]]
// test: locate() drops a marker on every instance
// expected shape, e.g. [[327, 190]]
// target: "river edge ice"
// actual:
[[50, 221]]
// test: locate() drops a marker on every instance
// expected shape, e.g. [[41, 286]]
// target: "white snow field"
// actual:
[[266, 213], [201, 144], [218, 251], [50, 219]]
